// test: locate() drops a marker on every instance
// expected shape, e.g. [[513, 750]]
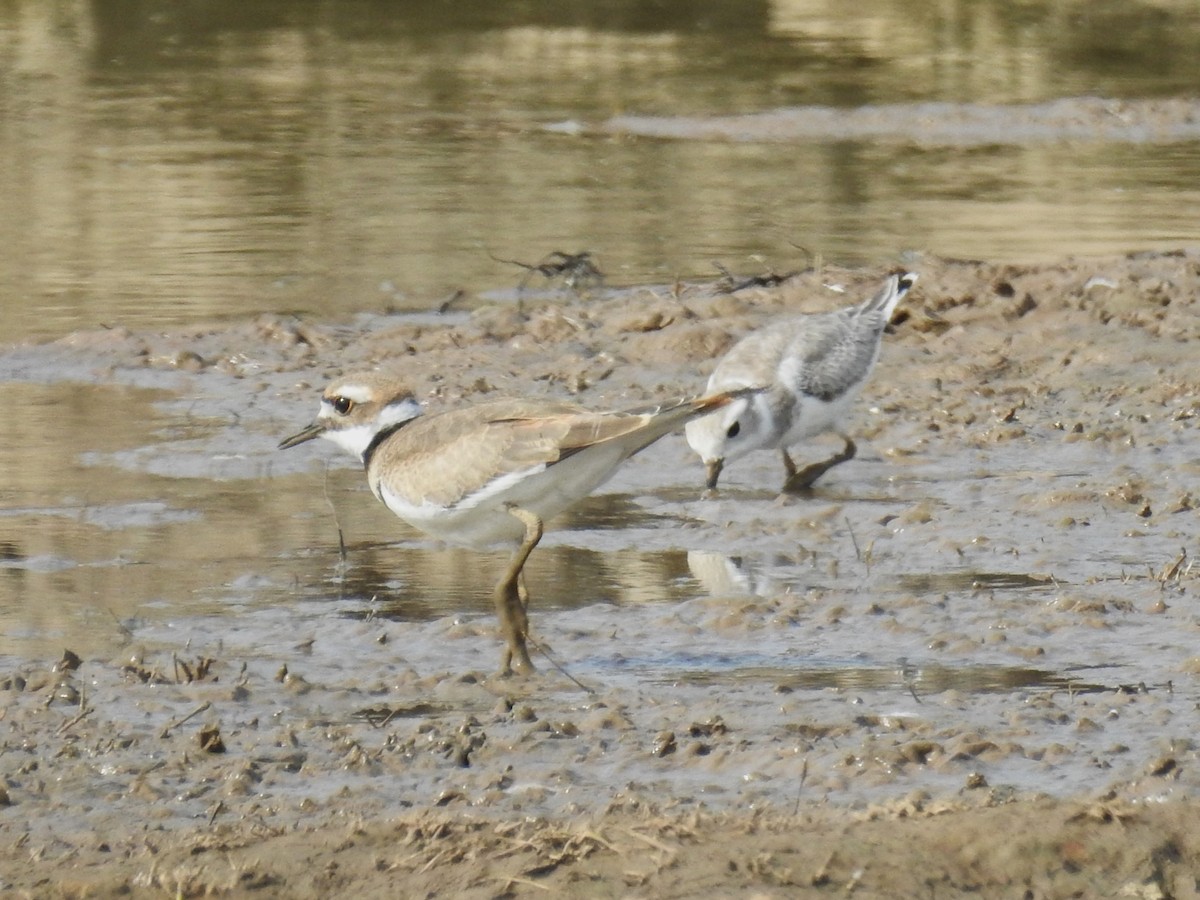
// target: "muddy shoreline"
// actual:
[[984, 625]]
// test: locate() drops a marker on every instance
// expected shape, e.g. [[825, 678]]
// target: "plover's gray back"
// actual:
[[809, 369], [830, 354]]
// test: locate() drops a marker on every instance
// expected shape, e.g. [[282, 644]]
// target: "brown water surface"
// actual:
[[170, 163]]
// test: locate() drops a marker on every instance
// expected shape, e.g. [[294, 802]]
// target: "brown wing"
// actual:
[[446, 457], [579, 430], [634, 429]]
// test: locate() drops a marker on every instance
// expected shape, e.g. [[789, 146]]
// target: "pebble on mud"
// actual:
[[1163, 766], [524, 713], [664, 743], [210, 739], [69, 663]]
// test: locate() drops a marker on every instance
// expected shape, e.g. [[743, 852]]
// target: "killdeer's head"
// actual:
[[358, 409]]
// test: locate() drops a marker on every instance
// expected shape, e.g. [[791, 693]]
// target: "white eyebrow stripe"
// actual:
[[359, 393]]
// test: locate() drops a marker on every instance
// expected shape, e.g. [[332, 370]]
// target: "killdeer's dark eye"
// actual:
[[342, 405], [734, 430]]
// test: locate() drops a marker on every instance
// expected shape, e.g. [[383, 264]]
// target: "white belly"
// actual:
[[482, 519], [815, 417]]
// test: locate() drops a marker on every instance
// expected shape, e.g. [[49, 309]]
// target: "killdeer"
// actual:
[[490, 473], [807, 371]]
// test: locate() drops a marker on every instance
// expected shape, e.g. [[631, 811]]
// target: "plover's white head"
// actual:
[[357, 410], [736, 429]]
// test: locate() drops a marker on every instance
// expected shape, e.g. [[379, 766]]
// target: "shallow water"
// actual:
[[182, 162]]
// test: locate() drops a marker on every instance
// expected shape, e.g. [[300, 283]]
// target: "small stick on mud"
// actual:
[[83, 714], [815, 261], [595, 838], [576, 270], [731, 285], [853, 540], [337, 522], [1171, 572], [509, 880], [445, 306], [670, 851], [821, 876], [434, 860], [573, 267], [554, 662], [121, 627], [392, 714], [166, 732], [908, 675], [800, 786]]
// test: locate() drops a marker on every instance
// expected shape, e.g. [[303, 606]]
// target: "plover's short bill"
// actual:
[[808, 370], [490, 473]]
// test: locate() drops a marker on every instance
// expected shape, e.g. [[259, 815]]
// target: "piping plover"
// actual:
[[807, 371], [489, 473]]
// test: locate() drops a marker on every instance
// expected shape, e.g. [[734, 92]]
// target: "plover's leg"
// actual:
[[788, 465], [800, 480], [510, 604]]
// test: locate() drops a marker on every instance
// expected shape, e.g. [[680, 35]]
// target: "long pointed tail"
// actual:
[[891, 294], [678, 412], [663, 419]]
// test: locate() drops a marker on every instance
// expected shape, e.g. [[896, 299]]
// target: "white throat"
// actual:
[[355, 439]]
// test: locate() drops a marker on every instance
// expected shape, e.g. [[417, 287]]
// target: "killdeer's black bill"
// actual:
[[489, 473], [805, 372], [314, 430]]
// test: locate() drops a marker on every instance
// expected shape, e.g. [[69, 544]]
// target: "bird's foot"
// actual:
[[514, 659], [801, 480]]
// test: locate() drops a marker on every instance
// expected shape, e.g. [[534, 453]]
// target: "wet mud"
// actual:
[[984, 625], [1084, 120]]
